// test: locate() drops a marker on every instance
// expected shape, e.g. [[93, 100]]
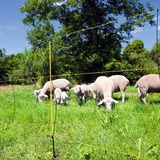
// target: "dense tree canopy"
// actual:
[[155, 53], [89, 39], [138, 59], [91, 33]]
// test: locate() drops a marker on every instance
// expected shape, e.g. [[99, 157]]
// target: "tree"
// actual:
[[137, 59], [13, 64], [153, 53], [99, 35], [3, 71]]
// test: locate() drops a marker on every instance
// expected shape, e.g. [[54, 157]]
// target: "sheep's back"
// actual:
[[119, 81], [103, 85], [63, 84], [149, 83]]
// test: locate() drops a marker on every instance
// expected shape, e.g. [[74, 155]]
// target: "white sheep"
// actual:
[[64, 98], [63, 84], [120, 83], [82, 92], [147, 84], [103, 88], [57, 95]]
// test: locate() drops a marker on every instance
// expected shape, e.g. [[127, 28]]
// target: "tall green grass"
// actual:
[[130, 131]]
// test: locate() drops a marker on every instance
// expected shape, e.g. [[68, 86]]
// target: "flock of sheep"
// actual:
[[102, 89]]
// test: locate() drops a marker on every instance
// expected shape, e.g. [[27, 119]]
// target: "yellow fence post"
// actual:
[[51, 93]]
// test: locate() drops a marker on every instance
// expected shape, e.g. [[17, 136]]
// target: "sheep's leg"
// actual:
[[94, 95], [66, 102], [123, 96], [61, 101], [143, 98], [84, 99], [80, 101]]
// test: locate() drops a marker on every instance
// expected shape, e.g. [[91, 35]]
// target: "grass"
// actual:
[[130, 131]]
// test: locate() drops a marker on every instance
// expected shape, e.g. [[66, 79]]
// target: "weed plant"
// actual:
[[87, 132]]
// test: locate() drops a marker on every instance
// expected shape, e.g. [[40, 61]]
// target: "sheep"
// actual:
[[62, 83], [64, 98], [82, 92], [148, 84], [120, 83], [103, 87], [57, 95]]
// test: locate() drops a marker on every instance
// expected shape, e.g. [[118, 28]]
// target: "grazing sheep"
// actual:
[[120, 83], [57, 95], [82, 92], [62, 84], [64, 98], [147, 84], [103, 87]]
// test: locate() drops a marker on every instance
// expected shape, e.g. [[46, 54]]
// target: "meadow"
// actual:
[[131, 131]]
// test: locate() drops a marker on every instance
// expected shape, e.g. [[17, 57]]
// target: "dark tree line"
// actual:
[[83, 44], [32, 66]]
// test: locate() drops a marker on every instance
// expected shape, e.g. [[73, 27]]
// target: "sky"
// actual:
[[13, 32]]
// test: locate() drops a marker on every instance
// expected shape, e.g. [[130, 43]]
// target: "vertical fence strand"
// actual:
[[51, 109]]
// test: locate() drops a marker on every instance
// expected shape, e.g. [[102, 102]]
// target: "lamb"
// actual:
[[57, 95], [62, 84], [147, 84], [64, 98], [103, 87], [82, 92], [120, 84]]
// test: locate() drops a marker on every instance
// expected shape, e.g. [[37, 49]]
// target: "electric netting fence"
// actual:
[[53, 119]]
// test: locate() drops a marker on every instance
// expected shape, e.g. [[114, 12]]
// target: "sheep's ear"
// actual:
[[113, 100], [44, 95], [101, 102], [36, 93]]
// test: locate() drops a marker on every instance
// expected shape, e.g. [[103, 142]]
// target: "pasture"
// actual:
[[130, 131]]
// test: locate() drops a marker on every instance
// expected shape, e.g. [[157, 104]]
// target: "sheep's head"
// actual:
[[77, 89], [41, 96], [58, 99], [37, 92], [108, 102]]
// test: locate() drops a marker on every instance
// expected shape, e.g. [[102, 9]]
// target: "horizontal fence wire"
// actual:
[[79, 74], [13, 88], [94, 27], [101, 25]]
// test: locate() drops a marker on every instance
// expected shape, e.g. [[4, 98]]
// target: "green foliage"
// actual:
[[3, 72], [137, 59], [89, 40], [130, 131], [10, 64], [76, 41], [153, 53]]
